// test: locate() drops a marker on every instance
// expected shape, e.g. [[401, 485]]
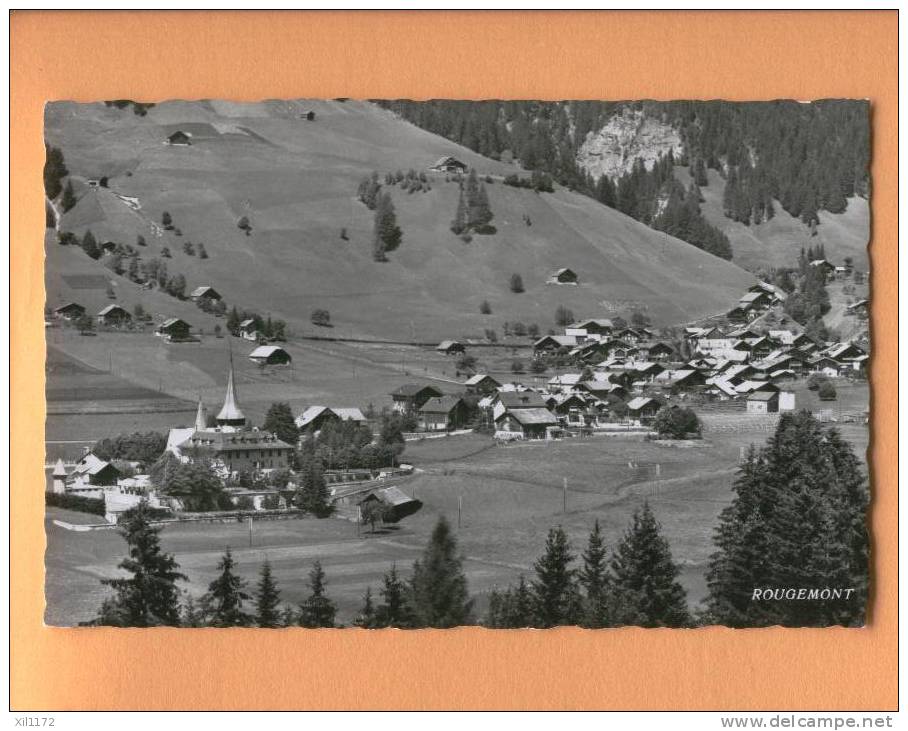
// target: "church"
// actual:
[[231, 445]]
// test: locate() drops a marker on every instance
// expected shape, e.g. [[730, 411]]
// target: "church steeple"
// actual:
[[201, 417], [230, 416]]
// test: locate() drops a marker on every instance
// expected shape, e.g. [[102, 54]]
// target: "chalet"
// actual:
[[763, 402], [315, 417], [826, 365], [756, 300], [845, 352], [114, 315], [712, 339], [643, 409], [600, 326], [785, 337], [776, 293], [736, 373], [826, 266], [659, 351], [205, 293], [108, 247], [762, 347], [270, 355], [747, 387], [563, 276], [398, 505], [602, 389], [721, 387], [554, 342], [741, 313], [571, 409], [525, 423], [803, 342], [70, 311], [450, 347], [90, 476], [410, 397], [481, 384], [645, 371], [173, 330], [179, 138], [629, 335], [679, 379], [248, 330], [443, 413], [448, 164]]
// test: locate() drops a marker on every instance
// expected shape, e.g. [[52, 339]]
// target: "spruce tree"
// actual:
[[54, 171], [90, 245], [312, 495], [646, 589], [798, 520], [386, 233], [554, 590], [69, 200], [226, 595], [317, 610], [267, 600], [439, 586], [149, 597], [394, 609], [280, 422], [459, 224], [366, 616], [594, 578]]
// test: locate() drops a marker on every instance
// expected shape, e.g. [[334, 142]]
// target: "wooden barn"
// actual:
[[448, 164], [205, 293], [411, 396], [179, 138], [114, 316], [70, 311], [443, 414], [564, 276], [270, 355], [173, 329]]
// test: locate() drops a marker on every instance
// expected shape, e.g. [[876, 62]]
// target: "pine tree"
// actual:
[[280, 422], [150, 597], [593, 577], [54, 171], [226, 595], [798, 519], [386, 229], [267, 600], [439, 586], [394, 609], [191, 614], [317, 610], [69, 200], [312, 495], [554, 590], [646, 588], [459, 224], [90, 245], [366, 616]]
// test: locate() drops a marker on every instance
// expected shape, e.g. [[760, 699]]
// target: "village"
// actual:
[[611, 380]]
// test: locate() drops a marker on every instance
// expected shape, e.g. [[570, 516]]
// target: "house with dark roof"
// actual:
[[398, 504], [204, 293], [173, 330], [114, 316], [643, 409], [448, 164], [554, 342], [450, 347], [763, 402], [443, 413], [70, 311], [315, 417], [481, 384], [531, 423], [409, 397]]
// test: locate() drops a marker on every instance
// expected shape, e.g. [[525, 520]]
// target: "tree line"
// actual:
[[809, 157]]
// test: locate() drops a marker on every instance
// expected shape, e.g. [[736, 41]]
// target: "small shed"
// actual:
[[564, 276], [450, 347], [399, 505], [763, 402], [179, 138], [270, 355]]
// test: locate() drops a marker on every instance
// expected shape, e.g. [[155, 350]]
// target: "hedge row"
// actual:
[[75, 502]]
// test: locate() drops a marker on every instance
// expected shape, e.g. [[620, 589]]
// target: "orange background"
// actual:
[[149, 56]]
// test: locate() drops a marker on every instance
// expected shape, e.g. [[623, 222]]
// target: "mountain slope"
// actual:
[[296, 182]]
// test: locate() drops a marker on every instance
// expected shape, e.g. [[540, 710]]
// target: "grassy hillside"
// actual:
[[778, 241], [296, 181]]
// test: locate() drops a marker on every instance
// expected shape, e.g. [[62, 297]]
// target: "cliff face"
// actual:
[[627, 136]]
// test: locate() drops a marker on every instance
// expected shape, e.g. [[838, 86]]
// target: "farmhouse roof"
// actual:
[[69, 306], [635, 404], [562, 340], [447, 160], [479, 378], [528, 417], [247, 323], [440, 405], [520, 400], [763, 395], [201, 291], [170, 321], [413, 389], [110, 309], [266, 351], [447, 344]]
